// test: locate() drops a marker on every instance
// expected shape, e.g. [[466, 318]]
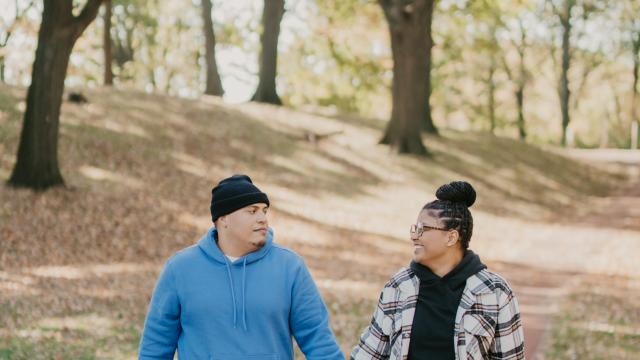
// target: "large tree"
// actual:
[[271, 18], [410, 31], [37, 161], [214, 85]]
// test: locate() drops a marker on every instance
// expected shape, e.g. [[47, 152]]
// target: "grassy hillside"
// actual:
[[139, 169]]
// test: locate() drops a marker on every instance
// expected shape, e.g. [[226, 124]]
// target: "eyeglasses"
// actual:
[[418, 229]]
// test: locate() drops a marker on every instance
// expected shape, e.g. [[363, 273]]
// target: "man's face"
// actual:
[[247, 227]]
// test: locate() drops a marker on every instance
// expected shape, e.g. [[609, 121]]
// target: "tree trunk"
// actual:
[[634, 98], [491, 93], [564, 92], [408, 31], [271, 17], [37, 161], [3, 44], [522, 82], [520, 79], [108, 54], [522, 132], [214, 84], [604, 131]]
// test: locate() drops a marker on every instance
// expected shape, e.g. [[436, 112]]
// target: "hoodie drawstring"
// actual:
[[233, 293], [244, 286]]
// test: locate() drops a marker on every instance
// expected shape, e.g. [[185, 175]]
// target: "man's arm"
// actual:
[[309, 319], [162, 326]]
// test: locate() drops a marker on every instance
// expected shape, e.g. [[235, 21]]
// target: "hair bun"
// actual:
[[457, 191]]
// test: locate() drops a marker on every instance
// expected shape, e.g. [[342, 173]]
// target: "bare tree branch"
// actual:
[[87, 15]]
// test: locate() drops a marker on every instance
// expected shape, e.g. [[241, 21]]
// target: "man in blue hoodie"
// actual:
[[237, 295]]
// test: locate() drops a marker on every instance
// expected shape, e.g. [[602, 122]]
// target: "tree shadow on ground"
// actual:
[[510, 172], [127, 191]]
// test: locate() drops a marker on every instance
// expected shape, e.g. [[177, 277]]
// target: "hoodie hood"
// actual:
[[468, 266], [456, 278], [209, 245]]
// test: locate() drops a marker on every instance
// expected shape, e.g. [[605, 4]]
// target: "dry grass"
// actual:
[[139, 169]]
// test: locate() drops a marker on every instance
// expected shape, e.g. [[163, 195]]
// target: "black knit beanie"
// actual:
[[234, 193]]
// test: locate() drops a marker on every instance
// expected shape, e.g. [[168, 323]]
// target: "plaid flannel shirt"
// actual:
[[487, 323]]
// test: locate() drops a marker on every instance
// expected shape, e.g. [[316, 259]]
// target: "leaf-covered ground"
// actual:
[[77, 264]]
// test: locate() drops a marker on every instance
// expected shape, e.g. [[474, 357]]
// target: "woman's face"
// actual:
[[429, 237]]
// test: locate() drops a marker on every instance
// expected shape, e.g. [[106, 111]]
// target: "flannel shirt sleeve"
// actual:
[[374, 342], [508, 342]]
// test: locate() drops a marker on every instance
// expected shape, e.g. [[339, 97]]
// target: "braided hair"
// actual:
[[454, 200]]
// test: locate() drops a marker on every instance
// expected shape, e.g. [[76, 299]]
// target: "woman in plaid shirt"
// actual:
[[446, 304]]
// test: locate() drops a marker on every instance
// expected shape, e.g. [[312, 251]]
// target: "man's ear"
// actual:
[[221, 222]]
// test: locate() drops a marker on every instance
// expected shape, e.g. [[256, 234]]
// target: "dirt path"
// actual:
[[72, 266], [541, 291]]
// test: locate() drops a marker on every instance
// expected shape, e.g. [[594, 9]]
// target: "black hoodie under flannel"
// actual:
[[438, 300]]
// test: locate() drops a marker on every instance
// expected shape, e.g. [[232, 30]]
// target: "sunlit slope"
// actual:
[[139, 169]]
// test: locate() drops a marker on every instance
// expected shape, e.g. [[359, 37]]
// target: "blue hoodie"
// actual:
[[211, 308]]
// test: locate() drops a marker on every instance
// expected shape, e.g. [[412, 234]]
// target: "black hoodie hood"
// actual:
[[456, 278]]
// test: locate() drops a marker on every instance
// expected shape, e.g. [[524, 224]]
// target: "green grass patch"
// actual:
[[72, 337], [598, 321], [15, 348], [10, 115]]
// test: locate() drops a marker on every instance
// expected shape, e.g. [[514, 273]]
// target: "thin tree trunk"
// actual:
[[214, 84], [108, 54], [491, 78], [152, 80], [37, 161], [522, 82], [2, 67], [408, 29], [271, 17], [519, 80], [491, 93], [634, 98], [522, 132], [604, 130], [564, 91], [3, 44]]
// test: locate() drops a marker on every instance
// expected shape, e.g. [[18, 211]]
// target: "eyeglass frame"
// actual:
[[418, 230]]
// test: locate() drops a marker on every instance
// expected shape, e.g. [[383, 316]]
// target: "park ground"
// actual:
[[78, 264]]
